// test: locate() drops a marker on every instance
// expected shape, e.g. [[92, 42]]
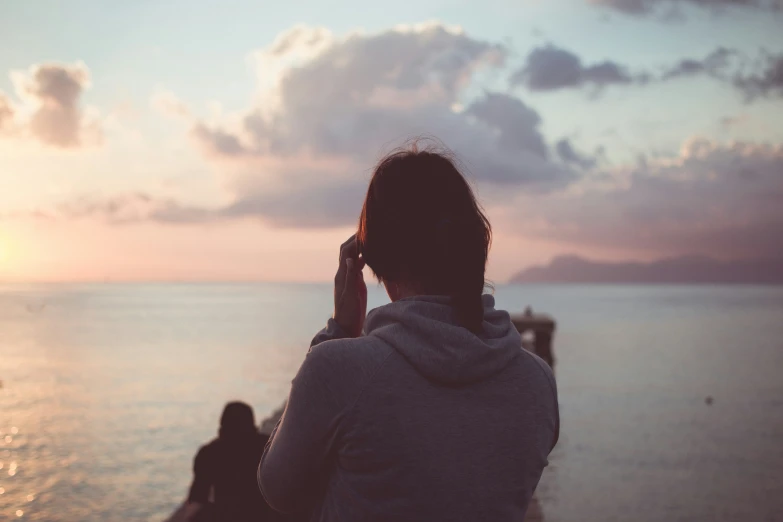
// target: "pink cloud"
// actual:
[[711, 198]]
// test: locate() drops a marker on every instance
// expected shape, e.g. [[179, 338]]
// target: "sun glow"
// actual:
[[7, 250]]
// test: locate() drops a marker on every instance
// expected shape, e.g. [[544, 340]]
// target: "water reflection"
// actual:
[[111, 389]]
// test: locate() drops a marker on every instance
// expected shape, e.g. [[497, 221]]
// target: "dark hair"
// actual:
[[421, 224], [237, 421]]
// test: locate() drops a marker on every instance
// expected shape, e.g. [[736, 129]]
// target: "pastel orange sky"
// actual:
[[133, 148], [241, 251]]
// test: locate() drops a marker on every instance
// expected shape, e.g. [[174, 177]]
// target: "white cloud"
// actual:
[[6, 112], [51, 95], [130, 208], [326, 100], [167, 103]]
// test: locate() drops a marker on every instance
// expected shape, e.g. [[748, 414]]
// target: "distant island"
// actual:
[[675, 270]]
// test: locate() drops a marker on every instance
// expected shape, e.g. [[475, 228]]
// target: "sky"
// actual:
[[185, 141]]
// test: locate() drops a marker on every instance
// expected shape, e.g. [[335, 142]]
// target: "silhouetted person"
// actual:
[[427, 408], [224, 487]]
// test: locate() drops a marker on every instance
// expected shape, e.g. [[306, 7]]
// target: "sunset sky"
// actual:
[[185, 140]]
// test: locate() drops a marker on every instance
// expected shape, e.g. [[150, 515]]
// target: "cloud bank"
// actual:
[[766, 81], [717, 199], [714, 64], [551, 68], [646, 7], [330, 106]]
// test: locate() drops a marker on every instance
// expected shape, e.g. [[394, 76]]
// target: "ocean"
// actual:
[[108, 390]]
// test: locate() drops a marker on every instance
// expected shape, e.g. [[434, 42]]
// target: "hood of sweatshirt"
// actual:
[[424, 330]]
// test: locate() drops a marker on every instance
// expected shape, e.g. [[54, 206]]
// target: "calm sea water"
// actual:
[[108, 391]]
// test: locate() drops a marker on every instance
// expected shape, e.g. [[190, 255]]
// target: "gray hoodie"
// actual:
[[418, 419]]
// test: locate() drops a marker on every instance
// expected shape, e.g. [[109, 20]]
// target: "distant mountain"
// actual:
[[676, 270]]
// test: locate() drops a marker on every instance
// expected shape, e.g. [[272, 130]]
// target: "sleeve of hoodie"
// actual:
[[550, 377], [302, 447], [331, 331]]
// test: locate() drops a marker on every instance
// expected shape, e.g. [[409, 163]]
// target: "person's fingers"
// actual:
[[361, 286], [349, 249], [348, 241], [362, 291], [350, 277], [362, 299], [339, 277]]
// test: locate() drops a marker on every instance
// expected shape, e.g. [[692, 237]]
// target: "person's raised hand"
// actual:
[[350, 291]]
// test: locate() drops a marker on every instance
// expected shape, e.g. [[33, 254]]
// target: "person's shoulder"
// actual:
[[347, 364], [210, 447], [208, 453], [361, 350], [546, 381], [262, 439], [535, 364]]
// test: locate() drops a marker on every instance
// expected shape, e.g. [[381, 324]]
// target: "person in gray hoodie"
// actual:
[[428, 408]]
